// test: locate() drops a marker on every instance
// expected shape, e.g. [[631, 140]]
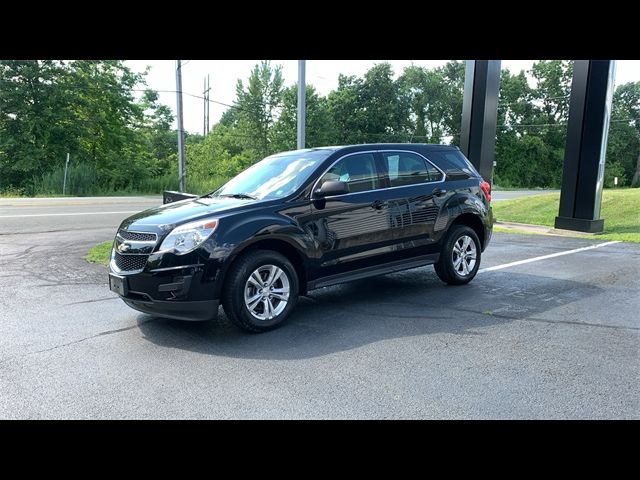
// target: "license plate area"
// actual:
[[118, 284]]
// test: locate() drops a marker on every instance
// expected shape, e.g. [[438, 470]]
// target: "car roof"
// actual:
[[379, 146], [399, 146]]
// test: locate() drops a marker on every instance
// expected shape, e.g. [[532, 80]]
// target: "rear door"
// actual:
[[415, 195]]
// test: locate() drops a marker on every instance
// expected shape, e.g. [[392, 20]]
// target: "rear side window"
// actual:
[[453, 160], [357, 170], [409, 169]]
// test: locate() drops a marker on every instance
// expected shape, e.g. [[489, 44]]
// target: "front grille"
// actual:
[[127, 263], [137, 236]]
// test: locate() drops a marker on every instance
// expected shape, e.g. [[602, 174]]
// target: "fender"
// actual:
[[259, 229], [459, 204]]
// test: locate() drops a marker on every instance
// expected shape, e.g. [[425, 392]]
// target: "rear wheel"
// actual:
[[460, 256], [261, 291]]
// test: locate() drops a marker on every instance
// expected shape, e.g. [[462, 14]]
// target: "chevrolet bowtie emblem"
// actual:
[[124, 247]]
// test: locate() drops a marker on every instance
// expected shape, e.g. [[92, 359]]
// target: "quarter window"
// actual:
[[409, 169], [357, 170]]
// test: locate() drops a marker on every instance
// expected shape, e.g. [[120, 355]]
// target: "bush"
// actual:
[[82, 180], [611, 170], [12, 191]]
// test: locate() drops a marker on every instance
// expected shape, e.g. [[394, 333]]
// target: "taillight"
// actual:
[[486, 189]]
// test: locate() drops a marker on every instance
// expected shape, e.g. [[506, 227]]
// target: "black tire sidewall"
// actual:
[[253, 261]]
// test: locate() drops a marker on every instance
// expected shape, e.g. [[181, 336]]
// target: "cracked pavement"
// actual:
[[557, 338]]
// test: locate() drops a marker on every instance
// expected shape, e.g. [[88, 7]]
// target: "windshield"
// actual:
[[274, 177]]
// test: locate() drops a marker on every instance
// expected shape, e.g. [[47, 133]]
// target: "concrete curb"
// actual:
[[542, 229]]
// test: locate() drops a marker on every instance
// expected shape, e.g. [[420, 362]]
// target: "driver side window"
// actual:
[[357, 170]]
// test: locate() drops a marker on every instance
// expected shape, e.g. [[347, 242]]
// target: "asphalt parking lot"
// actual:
[[557, 337]]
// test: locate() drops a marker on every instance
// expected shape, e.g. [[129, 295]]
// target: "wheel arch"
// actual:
[[276, 244], [474, 222]]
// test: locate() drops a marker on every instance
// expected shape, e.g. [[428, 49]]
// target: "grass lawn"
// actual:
[[620, 210], [100, 253]]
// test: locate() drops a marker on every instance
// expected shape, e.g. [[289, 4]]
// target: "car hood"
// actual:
[[166, 217]]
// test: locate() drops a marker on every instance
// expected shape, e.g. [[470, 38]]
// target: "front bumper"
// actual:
[[192, 311], [184, 293]]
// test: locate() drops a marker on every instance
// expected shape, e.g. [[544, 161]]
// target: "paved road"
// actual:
[[556, 338], [66, 214]]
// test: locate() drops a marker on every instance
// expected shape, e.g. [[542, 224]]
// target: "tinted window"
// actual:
[[453, 160], [408, 169], [357, 170], [434, 174]]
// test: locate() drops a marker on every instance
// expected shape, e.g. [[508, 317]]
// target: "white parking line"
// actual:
[[544, 257], [65, 214]]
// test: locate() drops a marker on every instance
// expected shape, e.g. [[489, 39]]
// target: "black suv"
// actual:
[[301, 220]]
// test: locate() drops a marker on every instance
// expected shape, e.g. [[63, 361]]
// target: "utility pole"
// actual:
[[208, 102], [301, 103], [205, 95], [181, 165], [64, 182]]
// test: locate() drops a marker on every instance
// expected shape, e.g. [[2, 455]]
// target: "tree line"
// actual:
[[120, 138]]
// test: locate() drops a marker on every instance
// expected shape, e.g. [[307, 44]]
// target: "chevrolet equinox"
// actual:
[[301, 220]]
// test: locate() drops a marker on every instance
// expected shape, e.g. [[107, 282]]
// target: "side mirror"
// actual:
[[331, 188]]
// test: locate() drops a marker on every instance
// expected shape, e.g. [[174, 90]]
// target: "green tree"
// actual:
[[435, 99], [387, 112], [532, 125], [257, 105], [346, 110], [36, 127], [515, 108], [319, 130], [553, 88], [86, 108], [551, 97], [623, 146], [370, 109], [453, 75], [106, 112], [159, 140]]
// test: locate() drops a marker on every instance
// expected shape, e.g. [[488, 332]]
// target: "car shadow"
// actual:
[[348, 316]]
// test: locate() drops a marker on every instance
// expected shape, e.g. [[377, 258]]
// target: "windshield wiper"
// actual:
[[238, 195]]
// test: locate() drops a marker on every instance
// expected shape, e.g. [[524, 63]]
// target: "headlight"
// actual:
[[188, 237]]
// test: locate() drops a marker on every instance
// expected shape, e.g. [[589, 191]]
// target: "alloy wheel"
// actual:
[[266, 292], [464, 255]]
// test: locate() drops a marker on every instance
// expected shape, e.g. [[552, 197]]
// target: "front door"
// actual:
[[352, 228]]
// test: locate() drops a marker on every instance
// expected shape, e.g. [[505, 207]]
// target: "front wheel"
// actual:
[[261, 291], [460, 256]]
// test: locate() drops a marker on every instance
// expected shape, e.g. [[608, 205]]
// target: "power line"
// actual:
[[560, 124], [87, 87]]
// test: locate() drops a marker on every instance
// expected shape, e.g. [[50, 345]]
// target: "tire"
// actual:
[[241, 291], [450, 268]]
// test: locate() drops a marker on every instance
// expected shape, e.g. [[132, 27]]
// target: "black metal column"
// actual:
[[584, 156], [479, 114]]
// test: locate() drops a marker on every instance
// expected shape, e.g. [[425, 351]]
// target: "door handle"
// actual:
[[378, 204], [438, 192]]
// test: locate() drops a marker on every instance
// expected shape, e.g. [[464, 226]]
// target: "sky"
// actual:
[[323, 74]]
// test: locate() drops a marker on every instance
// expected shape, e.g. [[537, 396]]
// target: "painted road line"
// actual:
[[544, 257], [65, 214]]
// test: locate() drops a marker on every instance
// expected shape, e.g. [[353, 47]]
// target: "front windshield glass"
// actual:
[[274, 177]]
